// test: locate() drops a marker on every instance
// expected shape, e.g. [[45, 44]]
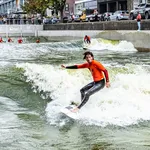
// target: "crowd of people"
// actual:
[[21, 19]]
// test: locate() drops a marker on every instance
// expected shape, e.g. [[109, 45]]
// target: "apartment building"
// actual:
[[81, 5], [111, 5], [69, 7], [10, 6], [114, 5]]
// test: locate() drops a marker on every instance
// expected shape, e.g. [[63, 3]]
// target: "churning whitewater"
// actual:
[[125, 103], [34, 88], [101, 44]]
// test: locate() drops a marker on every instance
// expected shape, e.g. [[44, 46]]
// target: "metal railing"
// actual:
[[13, 21]]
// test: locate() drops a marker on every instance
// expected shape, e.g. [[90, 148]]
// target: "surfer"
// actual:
[[1, 40], [10, 40], [20, 40], [87, 39], [100, 77], [38, 41]]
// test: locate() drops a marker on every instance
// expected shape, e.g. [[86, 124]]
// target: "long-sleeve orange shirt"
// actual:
[[96, 69]]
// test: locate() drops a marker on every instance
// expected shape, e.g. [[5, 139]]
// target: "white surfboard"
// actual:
[[67, 111], [86, 46]]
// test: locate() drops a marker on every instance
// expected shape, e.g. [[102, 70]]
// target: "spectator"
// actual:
[[83, 17], [138, 19], [72, 17], [96, 14], [4, 20], [24, 19], [32, 20], [1, 20]]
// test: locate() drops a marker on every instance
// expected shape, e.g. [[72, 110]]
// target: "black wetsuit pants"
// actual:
[[90, 89], [88, 41]]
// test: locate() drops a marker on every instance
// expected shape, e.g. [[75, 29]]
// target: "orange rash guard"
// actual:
[[87, 38], [96, 68]]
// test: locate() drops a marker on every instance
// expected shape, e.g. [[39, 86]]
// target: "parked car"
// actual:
[[53, 20], [76, 18], [47, 21], [120, 15], [92, 17], [65, 19], [106, 16], [143, 9], [80, 18]]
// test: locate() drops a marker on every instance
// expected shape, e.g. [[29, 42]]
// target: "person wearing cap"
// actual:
[[38, 41], [138, 19], [1, 40], [10, 40], [20, 40], [100, 77], [87, 39]]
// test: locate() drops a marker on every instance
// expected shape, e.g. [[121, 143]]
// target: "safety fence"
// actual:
[[10, 21]]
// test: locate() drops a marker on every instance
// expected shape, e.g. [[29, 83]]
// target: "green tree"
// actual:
[[36, 6], [58, 5], [40, 6]]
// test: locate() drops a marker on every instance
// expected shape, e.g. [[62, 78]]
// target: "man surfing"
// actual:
[[100, 77], [87, 39]]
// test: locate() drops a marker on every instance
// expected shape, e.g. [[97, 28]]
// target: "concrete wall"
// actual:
[[17, 30], [140, 40], [110, 25]]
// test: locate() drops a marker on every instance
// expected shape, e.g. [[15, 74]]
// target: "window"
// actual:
[[147, 6], [21, 2], [67, 7]]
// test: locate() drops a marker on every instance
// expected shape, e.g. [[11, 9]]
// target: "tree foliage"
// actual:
[[40, 6], [58, 5], [36, 6]]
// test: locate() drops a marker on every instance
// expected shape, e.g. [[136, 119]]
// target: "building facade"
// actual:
[[114, 5], [111, 5], [10, 6], [81, 5], [69, 7]]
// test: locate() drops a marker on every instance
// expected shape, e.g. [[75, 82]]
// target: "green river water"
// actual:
[[34, 88]]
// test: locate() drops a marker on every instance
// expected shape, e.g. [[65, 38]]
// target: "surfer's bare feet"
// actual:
[[75, 110]]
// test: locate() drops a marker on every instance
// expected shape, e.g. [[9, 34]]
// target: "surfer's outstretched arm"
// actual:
[[85, 65]]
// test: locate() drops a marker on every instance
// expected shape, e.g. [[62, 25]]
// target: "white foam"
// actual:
[[126, 102], [13, 51], [98, 44]]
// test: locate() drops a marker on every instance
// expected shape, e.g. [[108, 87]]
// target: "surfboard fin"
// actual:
[[74, 103]]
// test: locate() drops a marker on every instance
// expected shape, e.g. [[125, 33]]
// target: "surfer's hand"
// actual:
[[107, 84], [63, 66], [75, 110]]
